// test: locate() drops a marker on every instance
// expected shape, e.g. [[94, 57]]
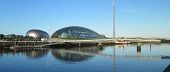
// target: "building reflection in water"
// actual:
[[32, 53], [75, 55], [36, 53]]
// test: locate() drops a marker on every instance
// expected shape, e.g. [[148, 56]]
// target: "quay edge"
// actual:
[[56, 43]]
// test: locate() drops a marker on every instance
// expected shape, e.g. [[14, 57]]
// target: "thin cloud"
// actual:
[[134, 11]]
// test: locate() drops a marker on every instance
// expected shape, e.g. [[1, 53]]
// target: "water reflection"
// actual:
[[36, 53], [150, 47], [89, 59], [138, 50], [33, 53], [74, 55]]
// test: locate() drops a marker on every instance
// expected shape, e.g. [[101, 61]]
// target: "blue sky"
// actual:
[[146, 18]]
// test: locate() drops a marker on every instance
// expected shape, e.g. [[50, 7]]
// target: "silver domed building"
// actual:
[[38, 34], [76, 32]]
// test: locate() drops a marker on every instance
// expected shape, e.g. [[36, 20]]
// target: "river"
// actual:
[[115, 58]]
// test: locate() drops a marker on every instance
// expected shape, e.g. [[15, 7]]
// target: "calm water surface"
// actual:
[[128, 58]]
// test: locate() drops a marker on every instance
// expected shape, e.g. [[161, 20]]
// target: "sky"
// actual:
[[134, 18]]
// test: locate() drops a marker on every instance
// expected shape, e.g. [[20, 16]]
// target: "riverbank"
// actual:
[[59, 43], [97, 42], [8, 44]]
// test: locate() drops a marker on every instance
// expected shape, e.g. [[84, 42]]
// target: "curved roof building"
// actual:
[[39, 34], [76, 32]]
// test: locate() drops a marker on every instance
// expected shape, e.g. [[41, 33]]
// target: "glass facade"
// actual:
[[38, 34], [76, 32]]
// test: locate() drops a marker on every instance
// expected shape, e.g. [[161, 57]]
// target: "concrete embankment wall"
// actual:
[[165, 41], [97, 42], [79, 43], [21, 43], [145, 41], [74, 43]]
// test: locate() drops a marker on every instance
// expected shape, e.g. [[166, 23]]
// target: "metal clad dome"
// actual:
[[76, 32], [35, 33]]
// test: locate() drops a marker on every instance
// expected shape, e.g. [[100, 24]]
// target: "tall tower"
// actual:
[[114, 30], [114, 50]]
